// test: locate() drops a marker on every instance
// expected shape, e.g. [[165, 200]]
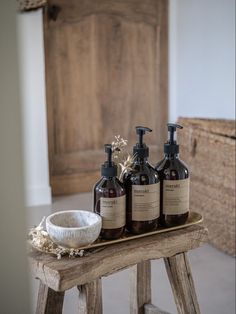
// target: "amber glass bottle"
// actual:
[[109, 199], [174, 176], [142, 190]]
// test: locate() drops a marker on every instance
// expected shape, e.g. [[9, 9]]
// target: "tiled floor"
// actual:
[[213, 272]]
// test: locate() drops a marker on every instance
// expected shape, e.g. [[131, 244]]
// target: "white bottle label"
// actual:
[[112, 211], [175, 196], [145, 202]]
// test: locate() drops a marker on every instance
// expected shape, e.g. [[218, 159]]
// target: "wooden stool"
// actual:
[[57, 276]]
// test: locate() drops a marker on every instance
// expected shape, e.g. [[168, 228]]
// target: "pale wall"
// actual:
[[202, 58], [32, 78]]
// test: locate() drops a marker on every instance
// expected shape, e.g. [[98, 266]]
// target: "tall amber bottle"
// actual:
[[142, 190], [174, 176], [109, 199]]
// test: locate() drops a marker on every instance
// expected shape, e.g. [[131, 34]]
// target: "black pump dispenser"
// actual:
[[174, 176], [108, 169], [141, 149], [142, 187], [109, 199], [171, 147]]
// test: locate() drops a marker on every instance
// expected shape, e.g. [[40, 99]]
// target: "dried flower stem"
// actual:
[[123, 159]]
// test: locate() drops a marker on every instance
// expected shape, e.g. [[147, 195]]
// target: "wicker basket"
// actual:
[[26, 5], [208, 147]]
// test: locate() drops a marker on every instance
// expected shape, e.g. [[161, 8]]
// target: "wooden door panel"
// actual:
[[106, 71]]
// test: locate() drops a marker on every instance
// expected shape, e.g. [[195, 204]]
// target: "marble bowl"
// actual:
[[73, 228]]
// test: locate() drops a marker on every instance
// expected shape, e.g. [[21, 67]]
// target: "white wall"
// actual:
[[14, 293], [31, 59], [202, 58]]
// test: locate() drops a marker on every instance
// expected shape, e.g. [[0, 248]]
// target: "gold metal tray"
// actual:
[[193, 219]]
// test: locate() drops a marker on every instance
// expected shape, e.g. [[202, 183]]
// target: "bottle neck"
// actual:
[[140, 160], [172, 156], [109, 178]]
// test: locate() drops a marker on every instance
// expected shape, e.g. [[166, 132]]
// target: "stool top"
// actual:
[[63, 274]]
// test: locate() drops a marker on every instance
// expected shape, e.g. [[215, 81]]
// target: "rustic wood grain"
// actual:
[[140, 287], [72, 180], [106, 71], [182, 284], [69, 184], [152, 309], [66, 273], [49, 301], [90, 297]]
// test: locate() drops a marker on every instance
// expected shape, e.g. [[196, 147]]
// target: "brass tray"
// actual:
[[193, 219]]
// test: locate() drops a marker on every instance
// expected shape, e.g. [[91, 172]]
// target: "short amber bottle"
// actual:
[[142, 190], [174, 177], [109, 200]]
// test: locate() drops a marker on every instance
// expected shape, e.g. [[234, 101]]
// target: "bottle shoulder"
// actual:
[[161, 164], [99, 182], [109, 184], [171, 163], [184, 165], [141, 174], [172, 168]]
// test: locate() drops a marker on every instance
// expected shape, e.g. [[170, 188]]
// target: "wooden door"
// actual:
[[106, 72]]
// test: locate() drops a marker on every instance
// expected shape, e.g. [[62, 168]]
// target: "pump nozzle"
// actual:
[[171, 147], [141, 149], [109, 169], [141, 130], [172, 128], [108, 150]]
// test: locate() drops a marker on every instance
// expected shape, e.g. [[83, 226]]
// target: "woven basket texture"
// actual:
[[208, 148], [26, 5]]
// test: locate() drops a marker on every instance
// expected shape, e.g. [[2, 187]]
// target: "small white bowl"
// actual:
[[73, 228]]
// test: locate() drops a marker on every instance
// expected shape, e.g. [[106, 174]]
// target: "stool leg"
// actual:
[[140, 288], [90, 297], [180, 277], [49, 301]]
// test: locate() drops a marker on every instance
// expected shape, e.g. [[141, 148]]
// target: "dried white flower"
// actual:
[[126, 166], [118, 147], [123, 159], [41, 241]]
